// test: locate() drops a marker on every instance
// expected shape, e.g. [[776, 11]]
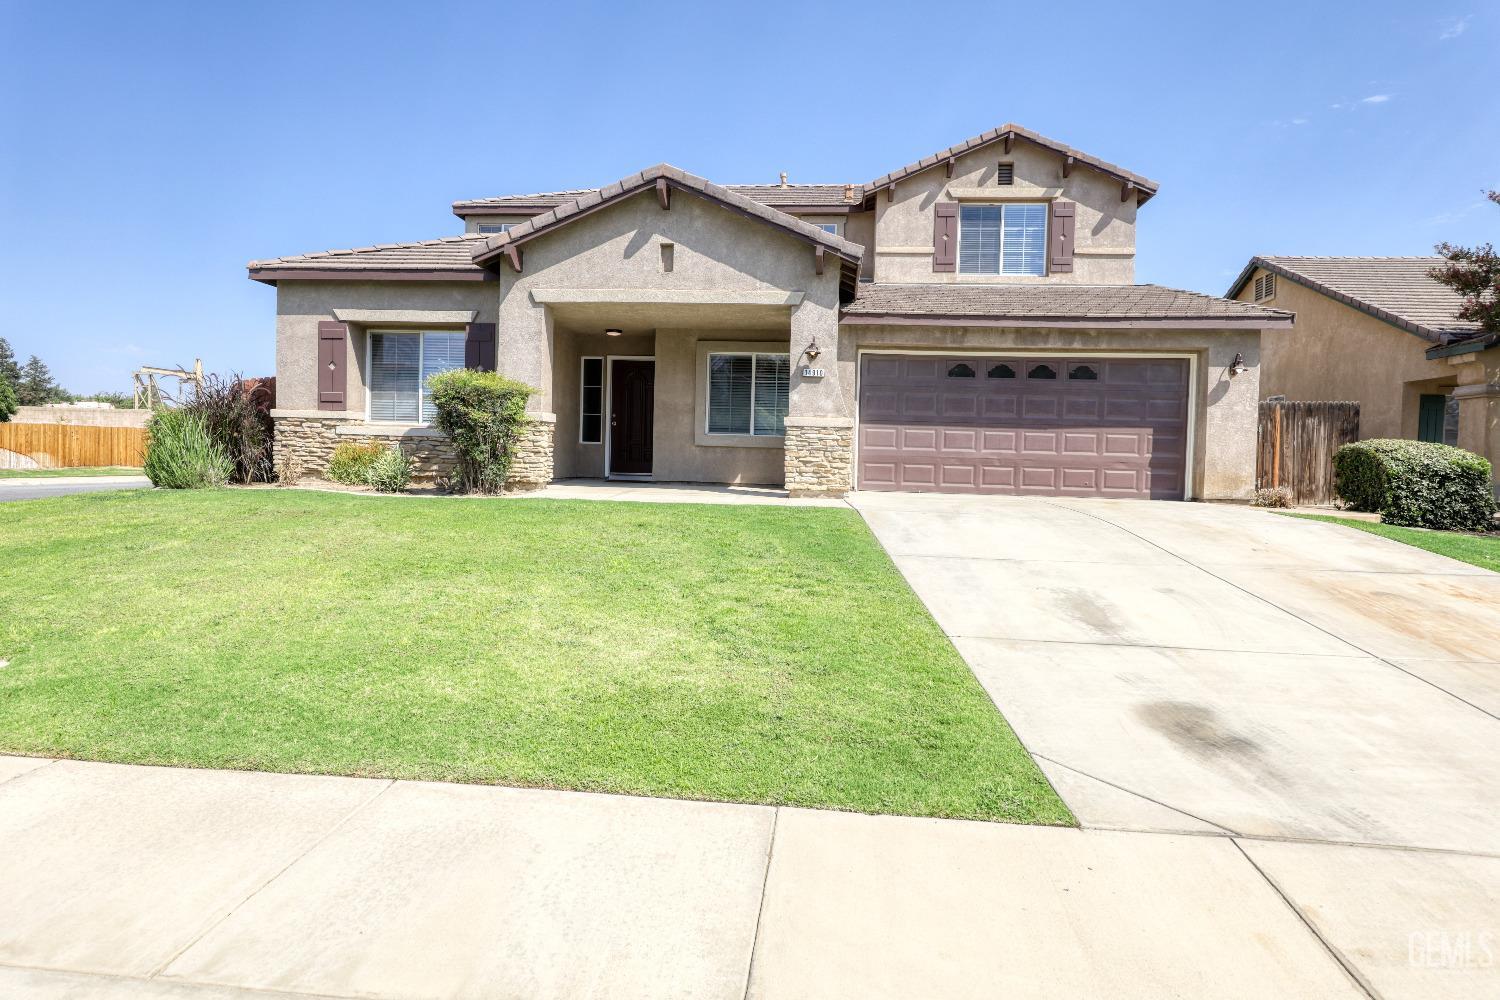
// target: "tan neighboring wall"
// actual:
[[1336, 352], [1104, 250], [1223, 408]]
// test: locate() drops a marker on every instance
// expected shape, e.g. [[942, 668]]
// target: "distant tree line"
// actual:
[[32, 384]]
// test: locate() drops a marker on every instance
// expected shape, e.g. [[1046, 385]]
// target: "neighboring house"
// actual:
[[964, 324], [1380, 332]]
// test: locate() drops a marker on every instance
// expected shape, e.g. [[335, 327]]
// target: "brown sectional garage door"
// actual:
[[1039, 426]]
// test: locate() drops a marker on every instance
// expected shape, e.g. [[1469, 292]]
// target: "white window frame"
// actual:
[[708, 401], [1000, 271], [829, 227], [423, 420], [505, 227], [603, 381]]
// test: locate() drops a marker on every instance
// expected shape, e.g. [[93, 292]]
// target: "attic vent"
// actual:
[[1265, 287], [1005, 174]]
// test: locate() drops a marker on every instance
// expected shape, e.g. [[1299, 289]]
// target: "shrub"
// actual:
[[483, 413], [180, 454], [1272, 496], [1416, 484], [351, 463], [237, 422], [391, 471]]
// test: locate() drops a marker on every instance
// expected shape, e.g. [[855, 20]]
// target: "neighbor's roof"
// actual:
[[1044, 305], [673, 178], [449, 258], [1145, 186], [1394, 289], [800, 195]]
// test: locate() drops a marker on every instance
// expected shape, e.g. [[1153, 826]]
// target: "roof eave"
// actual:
[[1472, 345], [1071, 322], [271, 274]]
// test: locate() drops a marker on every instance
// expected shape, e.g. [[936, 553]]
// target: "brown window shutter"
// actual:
[[479, 346], [945, 236], [333, 362], [1060, 239]]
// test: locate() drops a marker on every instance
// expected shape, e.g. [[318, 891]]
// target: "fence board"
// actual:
[[1296, 442], [68, 446]]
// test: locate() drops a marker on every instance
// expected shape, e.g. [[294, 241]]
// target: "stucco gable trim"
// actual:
[[648, 296], [406, 316]]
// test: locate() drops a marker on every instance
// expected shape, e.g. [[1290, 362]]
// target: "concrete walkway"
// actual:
[[57, 486], [142, 882]]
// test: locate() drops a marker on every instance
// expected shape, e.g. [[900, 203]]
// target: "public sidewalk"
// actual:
[[149, 882]]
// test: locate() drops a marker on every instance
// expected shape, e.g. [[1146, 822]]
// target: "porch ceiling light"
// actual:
[[613, 333]]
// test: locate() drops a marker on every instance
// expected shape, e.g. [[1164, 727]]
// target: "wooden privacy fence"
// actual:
[[1296, 442], [68, 446]]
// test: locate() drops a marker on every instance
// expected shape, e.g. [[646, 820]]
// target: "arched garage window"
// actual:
[[1083, 372], [960, 370], [1041, 371], [1001, 371]]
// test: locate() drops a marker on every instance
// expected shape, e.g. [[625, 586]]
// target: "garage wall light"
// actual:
[[1238, 366]]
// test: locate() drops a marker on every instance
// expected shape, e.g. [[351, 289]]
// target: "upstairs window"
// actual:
[[1265, 287], [747, 394], [489, 228], [1002, 239], [400, 365], [828, 227]]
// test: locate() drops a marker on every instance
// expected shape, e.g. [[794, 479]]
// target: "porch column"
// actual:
[[819, 444], [523, 351]]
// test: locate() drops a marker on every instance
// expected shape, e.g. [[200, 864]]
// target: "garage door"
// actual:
[[1058, 426]]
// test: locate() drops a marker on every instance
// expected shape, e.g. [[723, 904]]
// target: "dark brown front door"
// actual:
[[1042, 426], [632, 396]]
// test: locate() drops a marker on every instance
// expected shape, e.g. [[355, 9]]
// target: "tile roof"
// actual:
[[679, 178], [450, 253], [1394, 289], [1145, 185], [1056, 303], [830, 195]]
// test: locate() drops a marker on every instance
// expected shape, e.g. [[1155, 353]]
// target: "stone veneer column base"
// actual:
[[819, 456], [531, 467]]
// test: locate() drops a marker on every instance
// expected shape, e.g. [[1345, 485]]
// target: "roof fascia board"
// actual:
[[271, 275], [1058, 323]]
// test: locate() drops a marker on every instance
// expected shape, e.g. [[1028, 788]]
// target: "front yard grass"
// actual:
[[91, 470], [1477, 550], [754, 654]]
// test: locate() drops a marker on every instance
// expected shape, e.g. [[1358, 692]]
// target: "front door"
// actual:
[[632, 396]]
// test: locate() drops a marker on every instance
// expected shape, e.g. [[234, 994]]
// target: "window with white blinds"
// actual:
[[1002, 239], [400, 364], [748, 393], [493, 227]]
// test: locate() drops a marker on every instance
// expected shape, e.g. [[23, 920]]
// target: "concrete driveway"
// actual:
[[1325, 698], [48, 486]]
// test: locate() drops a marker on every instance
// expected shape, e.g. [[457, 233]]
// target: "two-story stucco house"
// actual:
[[967, 323]]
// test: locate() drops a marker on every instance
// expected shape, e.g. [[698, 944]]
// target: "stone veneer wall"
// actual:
[[819, 456], [304, 445]]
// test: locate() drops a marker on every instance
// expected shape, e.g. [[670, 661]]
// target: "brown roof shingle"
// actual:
[[1073, 304], [450, 254], [1394, 289]]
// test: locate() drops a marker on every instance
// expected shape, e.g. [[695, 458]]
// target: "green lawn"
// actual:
[[1478, 550], [757, 654], [92, 470]]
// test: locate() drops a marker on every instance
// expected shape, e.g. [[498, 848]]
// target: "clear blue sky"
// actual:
[[148, 150]]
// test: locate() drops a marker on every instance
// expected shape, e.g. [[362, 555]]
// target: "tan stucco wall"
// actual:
[[618, 249], [903, 227], [301, 304], [1223, 409], [1336, 352]]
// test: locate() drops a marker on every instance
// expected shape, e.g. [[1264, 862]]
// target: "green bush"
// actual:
[[1416, 484], [391, 471], [483, 413], [180, 454], [351, 463]]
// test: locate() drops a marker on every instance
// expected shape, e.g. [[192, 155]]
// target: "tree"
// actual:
[[36, 385], [1474, 273], [7, 400], [9, 370]]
